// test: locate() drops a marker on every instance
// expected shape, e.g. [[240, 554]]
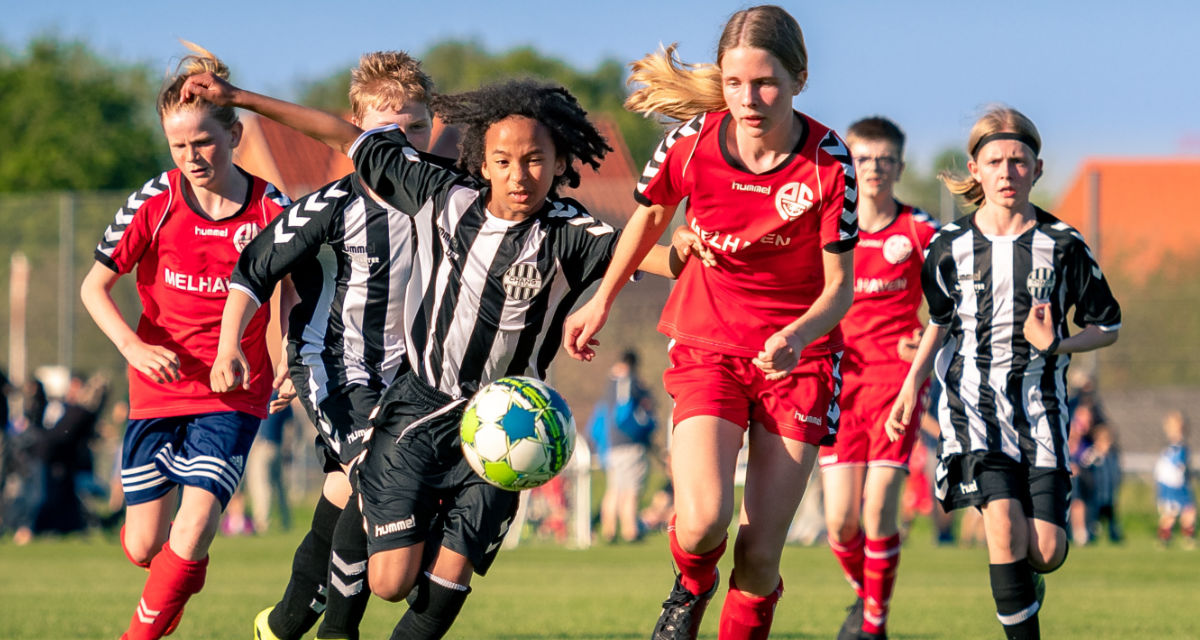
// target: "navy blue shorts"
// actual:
[[206, 450]]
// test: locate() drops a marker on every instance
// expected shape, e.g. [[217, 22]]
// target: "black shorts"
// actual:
[[415, 485], [974, 479], [341, 418]]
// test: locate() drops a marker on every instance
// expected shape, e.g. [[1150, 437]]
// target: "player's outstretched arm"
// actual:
[[325, 127], [157, 362], [638, 238]]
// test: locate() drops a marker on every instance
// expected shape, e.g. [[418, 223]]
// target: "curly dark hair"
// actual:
[[552, 105]]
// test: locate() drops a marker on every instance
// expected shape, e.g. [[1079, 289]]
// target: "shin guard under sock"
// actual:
[[304, 599], [1016, 599], [171, 582], [698, 571], [748, 617], [347, 593], [879, 578], [432, 608], [852, 558]]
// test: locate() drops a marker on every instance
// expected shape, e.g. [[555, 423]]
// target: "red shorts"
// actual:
[[803, 406], [861, 438]]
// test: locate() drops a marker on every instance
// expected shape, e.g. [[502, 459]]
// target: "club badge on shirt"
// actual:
[[522, 281]]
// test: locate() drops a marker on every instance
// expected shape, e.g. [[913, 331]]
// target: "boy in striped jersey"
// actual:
[[1000, 284], [498, 261], [864, 471], [348, 254]]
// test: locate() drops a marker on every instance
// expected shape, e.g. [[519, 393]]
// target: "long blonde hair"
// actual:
[[997, 119], [199, 61], [680, 91]]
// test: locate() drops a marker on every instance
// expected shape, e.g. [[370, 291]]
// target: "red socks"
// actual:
[[698, 571], [746, 616], [172, 581], [879, 578], [851, 557]]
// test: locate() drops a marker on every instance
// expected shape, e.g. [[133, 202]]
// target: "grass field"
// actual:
[[84, 588]]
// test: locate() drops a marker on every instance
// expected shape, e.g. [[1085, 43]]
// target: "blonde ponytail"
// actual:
[[672, 88]]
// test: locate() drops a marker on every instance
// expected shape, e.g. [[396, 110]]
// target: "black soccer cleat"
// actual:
[[852, 627], [682, 612]]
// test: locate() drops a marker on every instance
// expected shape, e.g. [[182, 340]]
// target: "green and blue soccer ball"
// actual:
[[517, 433]]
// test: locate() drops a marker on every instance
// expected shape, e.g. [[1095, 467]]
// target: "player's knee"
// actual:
[[1048, 557], [699, 537], [392, 588], [842, 530], [140, 550]]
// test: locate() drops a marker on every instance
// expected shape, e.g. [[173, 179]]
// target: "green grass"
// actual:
[[84, 588]]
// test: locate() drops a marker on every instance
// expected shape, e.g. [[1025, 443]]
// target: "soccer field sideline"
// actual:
[[83, 588]]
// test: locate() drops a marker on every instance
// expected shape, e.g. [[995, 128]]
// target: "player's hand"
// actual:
[[1039, 326], [285, 389], [229, 370], [158, 362], [901, 414], [688, 243], [211, 87], [780, 354], [907, 347], [581, 326]]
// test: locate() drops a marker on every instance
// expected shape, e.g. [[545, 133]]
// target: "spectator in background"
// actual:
[[1079, 442], [1173, 484], [25, 464], [61, 510], [1103, 463], [624, 421], [264, 472]]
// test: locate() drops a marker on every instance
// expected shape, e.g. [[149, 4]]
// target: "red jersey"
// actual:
[[183, 262], [767, 230], [887, 294]]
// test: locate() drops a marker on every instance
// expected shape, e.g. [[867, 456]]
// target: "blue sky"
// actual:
[[1099, 78]]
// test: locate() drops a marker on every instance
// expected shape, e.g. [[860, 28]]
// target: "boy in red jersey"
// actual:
[[864, 470], [184, 232], [755, 345]]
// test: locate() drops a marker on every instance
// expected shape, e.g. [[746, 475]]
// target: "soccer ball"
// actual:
[[517, 433]]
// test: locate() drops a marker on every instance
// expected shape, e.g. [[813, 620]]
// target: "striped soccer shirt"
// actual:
[[1000, 394], [350, 259], [488, 296]]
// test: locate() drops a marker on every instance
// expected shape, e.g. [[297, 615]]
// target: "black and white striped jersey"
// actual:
[[1000, 394], [488, 296], [350, 259]]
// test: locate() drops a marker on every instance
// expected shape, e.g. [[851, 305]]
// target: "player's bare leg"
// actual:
[[146, 528], [704, 454], [776, 475]]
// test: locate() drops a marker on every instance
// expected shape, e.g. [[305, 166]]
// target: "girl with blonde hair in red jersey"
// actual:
[[186, 444], [753, 322]]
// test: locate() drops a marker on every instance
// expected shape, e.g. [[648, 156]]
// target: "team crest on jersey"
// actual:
[[793, 199], [522, 281], [897, 249], [244, 235], [1040, 283]]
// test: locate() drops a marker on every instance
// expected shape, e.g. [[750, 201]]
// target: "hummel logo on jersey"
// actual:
[[756, 188], [1040, 283], [793, 200], [522, 281], [359, 255], [968, 487], [808, 419], [393, 527], [220, 233]]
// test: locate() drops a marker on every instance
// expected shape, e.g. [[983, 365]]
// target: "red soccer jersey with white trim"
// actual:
[[768, 232], [184, 260], [887, 295]]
